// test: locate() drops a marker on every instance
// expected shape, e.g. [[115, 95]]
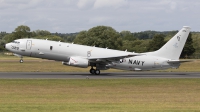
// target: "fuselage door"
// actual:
[[28, 44]]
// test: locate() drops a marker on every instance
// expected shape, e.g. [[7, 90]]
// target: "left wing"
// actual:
[[111, 59]]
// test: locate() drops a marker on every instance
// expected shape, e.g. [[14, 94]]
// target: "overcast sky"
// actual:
[[69, 16]]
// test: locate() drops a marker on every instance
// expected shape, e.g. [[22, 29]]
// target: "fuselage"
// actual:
[[60, 51]]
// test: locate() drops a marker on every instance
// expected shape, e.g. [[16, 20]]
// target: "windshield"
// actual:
[[16, 42]]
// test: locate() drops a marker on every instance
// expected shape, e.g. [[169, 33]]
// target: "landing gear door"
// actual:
[[29, 44]]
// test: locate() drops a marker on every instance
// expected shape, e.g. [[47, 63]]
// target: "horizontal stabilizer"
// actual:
[[179, 61]]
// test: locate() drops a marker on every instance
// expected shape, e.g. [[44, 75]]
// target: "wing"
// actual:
[[111, 59]]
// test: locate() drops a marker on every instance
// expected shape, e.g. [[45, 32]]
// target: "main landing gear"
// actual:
[[94, 71]]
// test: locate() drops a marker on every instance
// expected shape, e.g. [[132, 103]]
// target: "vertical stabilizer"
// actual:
[[173, 48]]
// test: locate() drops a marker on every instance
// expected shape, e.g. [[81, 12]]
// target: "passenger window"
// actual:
[[51, 47]]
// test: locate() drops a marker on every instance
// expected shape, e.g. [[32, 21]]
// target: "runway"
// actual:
[[112, 75]]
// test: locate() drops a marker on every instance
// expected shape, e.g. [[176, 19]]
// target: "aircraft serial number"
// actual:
[[14, 47]]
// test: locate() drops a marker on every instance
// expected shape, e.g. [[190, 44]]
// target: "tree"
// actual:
[[2, 43], [2, 34], [22, 32], [40, 33], [137, 45], [50, 37], [100, 36], [9, 38], [80, 37], [188, 48], [156, 43], [70, 38], [127, 35]]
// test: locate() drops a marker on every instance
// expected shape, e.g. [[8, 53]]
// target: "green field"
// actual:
[[110, 95], [11, 64], [94, 95]]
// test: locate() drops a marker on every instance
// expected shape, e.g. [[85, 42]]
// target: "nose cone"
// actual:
[[6, 46]]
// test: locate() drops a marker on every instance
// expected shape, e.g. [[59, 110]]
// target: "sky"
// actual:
[[70, 16]]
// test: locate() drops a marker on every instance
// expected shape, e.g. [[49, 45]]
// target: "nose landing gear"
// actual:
[[21, 60], [95, 71]]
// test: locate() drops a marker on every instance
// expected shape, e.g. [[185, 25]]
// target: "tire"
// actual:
[[92, 71], [21, 61], [97, 72]]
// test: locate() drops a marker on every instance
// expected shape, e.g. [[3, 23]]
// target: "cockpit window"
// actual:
[[16, 42]]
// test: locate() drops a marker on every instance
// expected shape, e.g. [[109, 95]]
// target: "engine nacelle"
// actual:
[[77, 62]]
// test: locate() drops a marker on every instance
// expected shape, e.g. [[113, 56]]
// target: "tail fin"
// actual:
[[173, 48]]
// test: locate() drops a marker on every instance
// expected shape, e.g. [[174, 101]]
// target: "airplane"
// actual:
[[102, 58]]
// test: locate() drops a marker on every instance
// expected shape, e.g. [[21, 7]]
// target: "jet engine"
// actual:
[[77, 62]]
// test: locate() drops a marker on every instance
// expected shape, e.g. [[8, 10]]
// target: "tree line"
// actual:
[[106, 37]]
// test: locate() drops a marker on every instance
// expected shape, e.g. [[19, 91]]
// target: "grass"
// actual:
[[99, 95], [11, 64], [112, 95]]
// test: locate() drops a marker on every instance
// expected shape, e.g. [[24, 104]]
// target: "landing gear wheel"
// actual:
[[21, 61], [92, 71], [97, 71]]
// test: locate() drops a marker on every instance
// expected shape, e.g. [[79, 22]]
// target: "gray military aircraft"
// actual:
[[102, 58]]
